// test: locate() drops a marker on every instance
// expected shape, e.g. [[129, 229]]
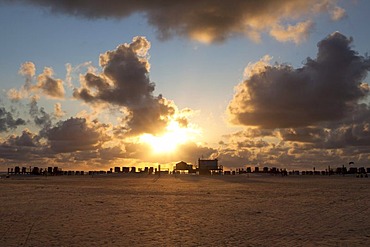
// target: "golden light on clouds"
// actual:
[[98, 107]]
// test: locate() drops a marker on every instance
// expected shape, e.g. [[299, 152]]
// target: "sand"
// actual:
[[185, 210]]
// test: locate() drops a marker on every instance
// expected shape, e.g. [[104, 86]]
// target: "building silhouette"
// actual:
[[209, 167]]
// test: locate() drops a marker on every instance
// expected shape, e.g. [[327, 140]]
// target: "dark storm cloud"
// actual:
[[8, 121], [324, 89], [206, 20], [125, 82], [75, 134]]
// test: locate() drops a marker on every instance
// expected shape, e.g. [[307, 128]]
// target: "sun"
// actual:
[[174, 136]]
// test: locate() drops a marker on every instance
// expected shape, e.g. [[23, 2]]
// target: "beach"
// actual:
[[184, 210]]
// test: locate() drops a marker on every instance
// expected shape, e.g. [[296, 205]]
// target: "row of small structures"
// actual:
[[205, 167]]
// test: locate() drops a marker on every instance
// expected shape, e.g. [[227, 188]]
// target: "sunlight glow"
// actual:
[[202, 36], [169, 141]]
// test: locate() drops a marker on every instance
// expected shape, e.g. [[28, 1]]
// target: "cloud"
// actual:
[[40, 117], [25, 148], [297, 33], [233, 159], [329, 144], [58, 112], [191, 151], [326, 143], [72, 70], [75, 134], [28, 70], [337, 13], [8, 121], [24, 154], [111, 153], [77, 141], [352, 131], [125, 82], [26, 139], [46, 84], [15, 95], [49, 86], [202, 20], [136, 150], [297, 118], [324, 89], [305, 134]]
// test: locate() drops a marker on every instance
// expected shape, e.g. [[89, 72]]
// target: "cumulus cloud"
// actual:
[[58, 112], [191, 151], [15, 95], [124, 79], [24, 154], [75, 134], [295, 33], [75, 142], [111, 153], [352, 131], [136, 150], [337, 13], [125, 82], [71, 70], [40, 117], [25, 148], [45, 83], [328, 143], [324, 89], [48, 85], [8, 121], [26, 139], [315, 115], [28, 70], [306, 134], [204, 20]]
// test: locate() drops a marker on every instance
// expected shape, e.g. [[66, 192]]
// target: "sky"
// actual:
[[94, 84]]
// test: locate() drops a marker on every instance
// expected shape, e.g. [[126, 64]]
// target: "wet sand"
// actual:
[[186, 210]]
